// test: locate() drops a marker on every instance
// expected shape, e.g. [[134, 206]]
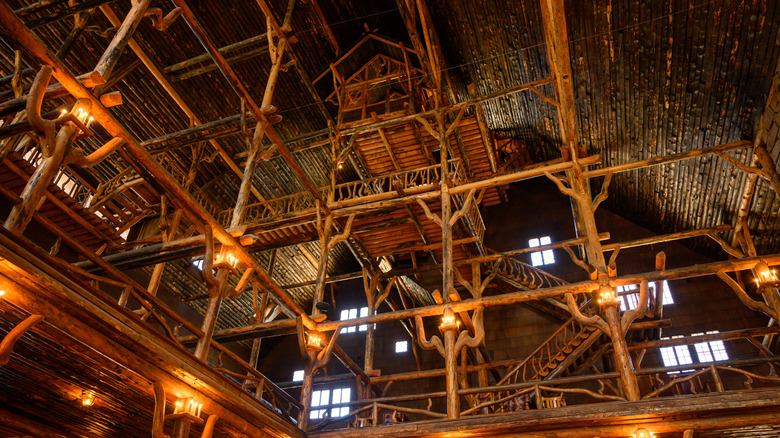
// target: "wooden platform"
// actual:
[[14, 176], [667, 417]]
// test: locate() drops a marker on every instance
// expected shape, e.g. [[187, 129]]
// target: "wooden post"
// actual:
[[622, 359], [451, 374], [615, 326], [114, 51]]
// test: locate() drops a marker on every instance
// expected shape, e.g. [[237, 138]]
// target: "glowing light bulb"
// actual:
[[643, 433], [87, 398], [341, 165]]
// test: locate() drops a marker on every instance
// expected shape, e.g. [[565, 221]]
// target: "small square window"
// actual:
[[401, 347], [541, 258], [298, 376]]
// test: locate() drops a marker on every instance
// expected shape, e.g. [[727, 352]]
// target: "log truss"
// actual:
[[374, 104]]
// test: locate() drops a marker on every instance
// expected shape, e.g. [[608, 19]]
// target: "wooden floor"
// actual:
[[735, 414]]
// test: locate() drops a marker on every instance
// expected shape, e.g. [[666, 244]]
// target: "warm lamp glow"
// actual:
[[448, 320], [643, 433], [87, 398], [2, 293], [764, 274], [314, 340], [227, 258], [189, 406], [607, 295]]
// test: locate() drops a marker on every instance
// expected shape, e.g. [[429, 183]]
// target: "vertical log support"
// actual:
[[371, 286], [327, 242], [455, 339], [612, 324], [317, 349]]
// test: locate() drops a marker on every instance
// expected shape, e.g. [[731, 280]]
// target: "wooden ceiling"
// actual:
[[650, 78]]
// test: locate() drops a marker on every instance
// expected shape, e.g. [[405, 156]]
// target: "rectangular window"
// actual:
[[541, 258], [363, 314], [340, 395], [298, 376], [629, 295], [711, 351], [677, 355], [319, 398], [347, 314], [322, 398], [401, 347]]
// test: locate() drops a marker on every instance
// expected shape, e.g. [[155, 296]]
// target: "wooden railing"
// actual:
[[548, 355], [154, 311], [528, 275], [355, 192]]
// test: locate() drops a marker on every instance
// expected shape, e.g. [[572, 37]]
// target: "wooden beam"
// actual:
[[121, 39], [559, 60]]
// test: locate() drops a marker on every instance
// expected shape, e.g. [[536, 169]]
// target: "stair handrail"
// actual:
[[553, 337]]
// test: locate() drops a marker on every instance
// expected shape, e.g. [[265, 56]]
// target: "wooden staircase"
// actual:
[[568, 351], [515, 275]]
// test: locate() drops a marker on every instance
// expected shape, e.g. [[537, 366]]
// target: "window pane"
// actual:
[[719, 350], [667, 293], [363, 312], [352, 313], [336, 396], [703, 351], [545, 240], [683, 354], [298, 375], [315, 398], [632, 300], [344, 314], [533, 243], [401, 347], [345, 395], [549, 258], [536, 259], [667, 354], [623, 307]]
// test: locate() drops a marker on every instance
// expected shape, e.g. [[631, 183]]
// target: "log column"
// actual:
[[612, 324]]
